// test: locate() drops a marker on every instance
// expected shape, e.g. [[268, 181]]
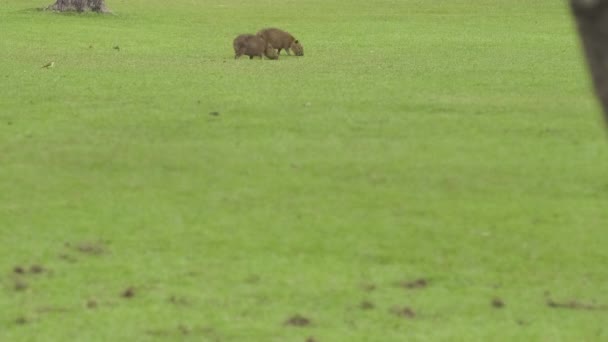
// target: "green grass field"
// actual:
[[455, 141]]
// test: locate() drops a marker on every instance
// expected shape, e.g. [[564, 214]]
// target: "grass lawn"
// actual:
[[422, 164]]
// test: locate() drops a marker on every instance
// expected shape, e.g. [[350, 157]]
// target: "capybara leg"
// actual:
[[279, 51]]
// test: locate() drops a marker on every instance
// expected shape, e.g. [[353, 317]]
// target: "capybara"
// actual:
[[252, 45], [280, 39]]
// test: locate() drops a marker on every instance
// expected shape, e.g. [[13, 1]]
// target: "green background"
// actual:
[[452, 141]]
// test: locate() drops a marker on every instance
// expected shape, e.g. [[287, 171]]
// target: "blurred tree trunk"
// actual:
[[592, 21], [79, 5]]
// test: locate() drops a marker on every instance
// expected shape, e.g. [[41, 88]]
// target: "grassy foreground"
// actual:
[[456, 142]]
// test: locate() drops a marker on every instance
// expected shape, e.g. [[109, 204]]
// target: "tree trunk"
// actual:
[[79, 5], [592, 20]]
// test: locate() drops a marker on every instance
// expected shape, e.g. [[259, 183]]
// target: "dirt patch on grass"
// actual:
[[311, 339], [128, 293], [298, 321], [498, 303], [33, 269], [366, 305], [90, 248], [67, 257], [36, 269], [414, 284], [21, 320], [404, 311], [576, 305]]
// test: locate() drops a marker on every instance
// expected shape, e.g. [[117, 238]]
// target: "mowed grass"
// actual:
[[452, 141]]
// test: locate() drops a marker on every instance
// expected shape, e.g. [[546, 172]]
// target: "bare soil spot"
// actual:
[[21, 320], [298, 321], [128, 293], [366, 305], [404, 311], [36, 269], [67, 257], [498, 303], [92, 304], [311, 339], [414, 284], [91, 248], [576, 305]]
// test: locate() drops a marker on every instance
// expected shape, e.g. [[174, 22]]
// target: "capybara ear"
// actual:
[[296, 42]]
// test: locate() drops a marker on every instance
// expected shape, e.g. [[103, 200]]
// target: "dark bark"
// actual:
[[79, 5], [592, 21]]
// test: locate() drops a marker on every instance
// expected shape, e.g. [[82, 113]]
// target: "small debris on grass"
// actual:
[[298, 321], [92, 248], [366, 305], [92, 304], [67, 258], [128, 293], [405, 311], [498, 303], [414, 284], [18, 270], [311, 339], [21, 320], [575, 305], [35, 269], [116, 47], [214, 113]]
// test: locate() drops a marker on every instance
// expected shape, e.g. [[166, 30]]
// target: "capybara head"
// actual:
[[297, 48], [270, 52]]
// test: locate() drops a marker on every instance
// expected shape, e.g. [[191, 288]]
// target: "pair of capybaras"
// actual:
[[268, 42]]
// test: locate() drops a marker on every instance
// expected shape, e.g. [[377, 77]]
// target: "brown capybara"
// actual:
[[280, 39], [252, 45]]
